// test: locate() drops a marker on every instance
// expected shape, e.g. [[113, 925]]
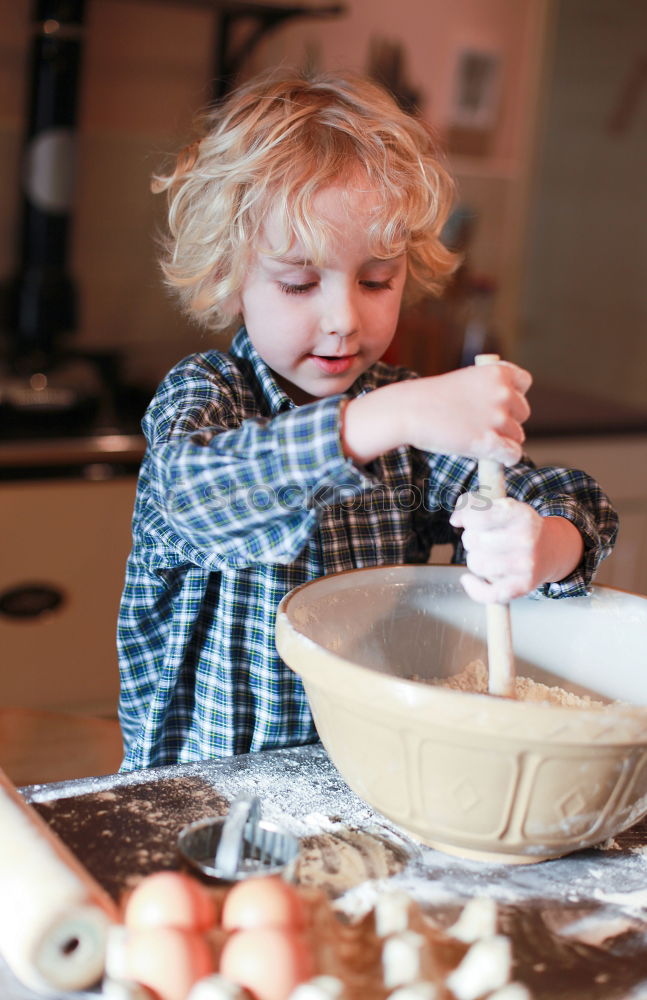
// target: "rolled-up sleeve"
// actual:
[[571, 494], [552, 492]]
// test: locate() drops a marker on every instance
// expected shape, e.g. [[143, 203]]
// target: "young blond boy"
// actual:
[[310, 208]]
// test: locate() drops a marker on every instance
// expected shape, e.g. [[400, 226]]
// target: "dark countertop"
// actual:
[[111, 446], [96, 439], [578, 924]]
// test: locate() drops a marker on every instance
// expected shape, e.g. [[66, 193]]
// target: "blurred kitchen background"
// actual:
[[541, 106]]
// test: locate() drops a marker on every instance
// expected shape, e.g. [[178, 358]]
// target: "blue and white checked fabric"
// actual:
[[242, 496]]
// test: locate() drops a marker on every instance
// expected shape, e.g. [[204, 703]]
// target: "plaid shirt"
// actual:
[[242, 496]]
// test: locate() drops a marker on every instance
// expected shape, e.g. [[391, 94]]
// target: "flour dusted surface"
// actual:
[[125, 825]]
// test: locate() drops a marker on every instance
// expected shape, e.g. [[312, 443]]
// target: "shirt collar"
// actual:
[[277, 398]]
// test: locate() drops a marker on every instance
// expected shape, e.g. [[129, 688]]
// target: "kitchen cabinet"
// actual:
[[65, 543]]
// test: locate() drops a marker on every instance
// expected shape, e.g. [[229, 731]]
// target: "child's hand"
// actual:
[[511, 549], [476, 412]]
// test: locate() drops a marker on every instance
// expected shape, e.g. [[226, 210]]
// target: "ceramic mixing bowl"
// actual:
[[469, 774]]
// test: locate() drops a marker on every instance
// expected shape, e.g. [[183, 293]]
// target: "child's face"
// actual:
[[319, 328]]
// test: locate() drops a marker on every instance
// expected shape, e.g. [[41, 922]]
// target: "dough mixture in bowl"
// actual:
[[474, 678]]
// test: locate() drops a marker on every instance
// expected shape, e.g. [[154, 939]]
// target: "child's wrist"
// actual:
[[563, 548]]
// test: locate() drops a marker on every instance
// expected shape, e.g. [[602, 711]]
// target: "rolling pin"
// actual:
[[54, 917]]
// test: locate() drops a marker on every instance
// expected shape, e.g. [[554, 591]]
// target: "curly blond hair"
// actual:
[[275, 143]]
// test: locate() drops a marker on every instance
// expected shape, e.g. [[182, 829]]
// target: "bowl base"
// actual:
[[493, 857]]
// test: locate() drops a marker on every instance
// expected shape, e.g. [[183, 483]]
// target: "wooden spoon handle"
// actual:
[[501, 671]]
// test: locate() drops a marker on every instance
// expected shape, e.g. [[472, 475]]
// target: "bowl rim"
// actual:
[[451, 569], [512, 718]]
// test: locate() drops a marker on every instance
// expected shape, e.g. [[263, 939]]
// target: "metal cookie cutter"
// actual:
[[238, 846]]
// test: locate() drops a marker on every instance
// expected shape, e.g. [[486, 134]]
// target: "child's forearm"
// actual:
[[476, 412], [372, 425], [561, 547]]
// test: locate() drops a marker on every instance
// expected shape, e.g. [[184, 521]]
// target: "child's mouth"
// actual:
[[333, 365]]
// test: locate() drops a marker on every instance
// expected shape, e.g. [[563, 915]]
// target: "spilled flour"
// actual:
[[336, 862], [474, 678]]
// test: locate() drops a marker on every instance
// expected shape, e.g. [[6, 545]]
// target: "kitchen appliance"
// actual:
[[45, 385], [48, 387]]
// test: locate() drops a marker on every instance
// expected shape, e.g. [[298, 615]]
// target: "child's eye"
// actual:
[[296, 289], [377, 286]]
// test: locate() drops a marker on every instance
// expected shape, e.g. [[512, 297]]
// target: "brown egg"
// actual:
[[167, 960], [268, 961], [266, 901], [170, 899]]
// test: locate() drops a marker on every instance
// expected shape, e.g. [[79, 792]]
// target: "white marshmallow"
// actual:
[[486, 967], [477, 920], [405, 959]]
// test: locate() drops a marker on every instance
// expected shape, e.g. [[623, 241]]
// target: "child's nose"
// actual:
[[341, 318]]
